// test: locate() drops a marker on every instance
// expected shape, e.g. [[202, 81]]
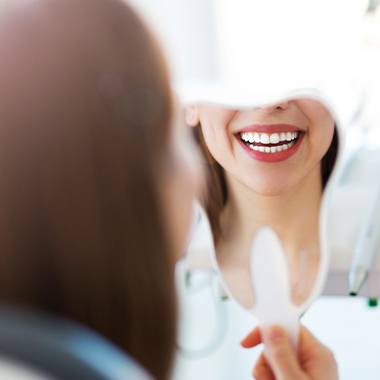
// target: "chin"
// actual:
[[270, 188]]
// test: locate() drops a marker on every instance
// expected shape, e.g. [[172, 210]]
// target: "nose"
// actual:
[[276, 107]]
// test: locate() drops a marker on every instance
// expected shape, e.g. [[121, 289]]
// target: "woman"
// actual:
[[86, 173], [96, 188], [266, 166]]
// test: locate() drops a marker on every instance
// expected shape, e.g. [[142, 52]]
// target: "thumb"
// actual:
[[280, 354]]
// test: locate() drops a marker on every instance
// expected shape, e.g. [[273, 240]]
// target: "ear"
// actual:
[[192, 116]]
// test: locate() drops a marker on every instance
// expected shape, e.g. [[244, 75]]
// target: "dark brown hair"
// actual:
[[216, 196], [85, 108]]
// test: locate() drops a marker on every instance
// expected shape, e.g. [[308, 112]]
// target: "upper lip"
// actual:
[[271, 128]]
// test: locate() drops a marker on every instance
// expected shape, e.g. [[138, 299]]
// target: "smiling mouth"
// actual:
[[269, 143]]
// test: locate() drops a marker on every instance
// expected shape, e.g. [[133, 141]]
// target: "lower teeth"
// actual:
[[273, 149]]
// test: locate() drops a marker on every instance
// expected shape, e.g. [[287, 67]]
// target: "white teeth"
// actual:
[[249, 137], [274, 138], [286, 138], [264, 138], [273, 149]]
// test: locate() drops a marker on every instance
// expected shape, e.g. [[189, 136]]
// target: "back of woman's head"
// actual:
[[85, 109]]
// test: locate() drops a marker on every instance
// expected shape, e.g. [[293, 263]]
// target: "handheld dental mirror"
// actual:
[[273, 280]]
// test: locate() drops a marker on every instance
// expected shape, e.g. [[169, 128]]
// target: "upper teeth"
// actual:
[[268, 138]]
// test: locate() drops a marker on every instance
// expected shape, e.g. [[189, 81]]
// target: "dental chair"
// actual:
[[34, 346]]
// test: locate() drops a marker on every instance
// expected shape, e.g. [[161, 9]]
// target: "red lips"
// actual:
[[269, 129]]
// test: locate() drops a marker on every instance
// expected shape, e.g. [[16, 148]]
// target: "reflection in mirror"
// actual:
[[269, 166]]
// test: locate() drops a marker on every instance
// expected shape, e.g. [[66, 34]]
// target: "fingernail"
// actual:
[[243, 343], [275, 334]]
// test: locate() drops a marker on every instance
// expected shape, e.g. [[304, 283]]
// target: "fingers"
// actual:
[[281, 355], [281, 362], [312, 351], [252, 339], [262, 371], [309, 343]]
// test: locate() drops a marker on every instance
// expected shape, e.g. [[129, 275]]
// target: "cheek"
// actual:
[[211, 134], [322, 125], [321, 137], [215, 129], [218, 143]]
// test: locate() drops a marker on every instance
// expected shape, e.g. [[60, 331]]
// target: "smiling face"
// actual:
[[269, 149]]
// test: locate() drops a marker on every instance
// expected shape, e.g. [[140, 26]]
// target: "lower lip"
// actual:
[[272, 157]]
